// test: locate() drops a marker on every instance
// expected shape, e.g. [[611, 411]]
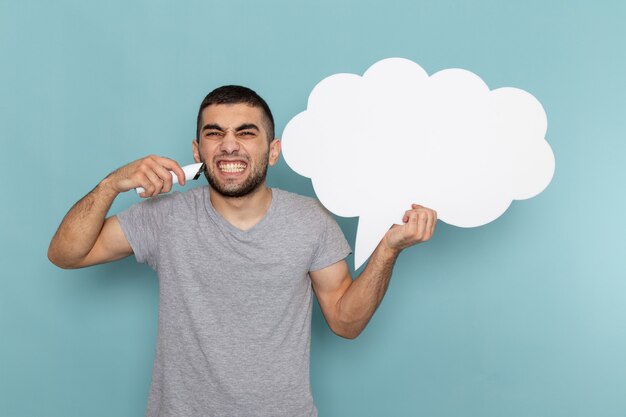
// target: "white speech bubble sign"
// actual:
[[374, 144]]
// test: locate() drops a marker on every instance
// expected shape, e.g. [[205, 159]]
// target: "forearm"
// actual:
[[348, 305], [81, 226], [358, 304]]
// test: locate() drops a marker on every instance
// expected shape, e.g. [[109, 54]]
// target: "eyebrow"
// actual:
[[245, 126]]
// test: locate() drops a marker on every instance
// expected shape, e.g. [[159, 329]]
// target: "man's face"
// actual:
[[235, 147]]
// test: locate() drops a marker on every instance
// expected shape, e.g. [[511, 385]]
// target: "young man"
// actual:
[[237, 262]]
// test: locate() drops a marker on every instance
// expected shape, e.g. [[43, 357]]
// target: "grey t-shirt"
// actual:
[[235, 306]]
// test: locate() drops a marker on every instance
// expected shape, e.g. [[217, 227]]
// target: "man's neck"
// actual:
[[243, 212]]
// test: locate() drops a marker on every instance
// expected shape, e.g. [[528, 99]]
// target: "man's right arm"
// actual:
[[86, 237]]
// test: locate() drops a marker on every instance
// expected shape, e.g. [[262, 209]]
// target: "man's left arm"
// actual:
[[349, 305]]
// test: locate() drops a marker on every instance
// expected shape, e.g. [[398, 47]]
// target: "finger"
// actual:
[[428, 229], [434, 223], [416, 224], [146, 184], [164, 175], [155, 183], [422, 224], [173, 166]]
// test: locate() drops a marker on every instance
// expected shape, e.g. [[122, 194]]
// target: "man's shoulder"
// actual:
[[301, 202], [173, 201], [300, 208]]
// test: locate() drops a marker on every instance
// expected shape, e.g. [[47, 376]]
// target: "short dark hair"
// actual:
[[236, 94]]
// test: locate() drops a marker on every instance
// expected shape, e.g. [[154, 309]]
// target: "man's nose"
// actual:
[[229, 143]]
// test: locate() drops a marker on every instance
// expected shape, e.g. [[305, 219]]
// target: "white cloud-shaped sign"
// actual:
[[376, 143]]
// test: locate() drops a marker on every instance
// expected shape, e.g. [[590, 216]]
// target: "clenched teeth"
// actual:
[[232, 167]]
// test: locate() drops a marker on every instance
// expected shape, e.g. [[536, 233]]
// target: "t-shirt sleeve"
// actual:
[[142, 225], [332, 246]]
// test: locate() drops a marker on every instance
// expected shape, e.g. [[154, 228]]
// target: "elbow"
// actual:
[[348, 334], [59, 260], [347, 331], [347, 324], [52, 257], [55, 261]]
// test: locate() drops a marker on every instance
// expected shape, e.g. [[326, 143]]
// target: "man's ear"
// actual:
[[274, 154], [196, 151]]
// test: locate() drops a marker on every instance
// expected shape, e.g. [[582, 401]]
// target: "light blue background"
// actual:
[[523, 317]]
